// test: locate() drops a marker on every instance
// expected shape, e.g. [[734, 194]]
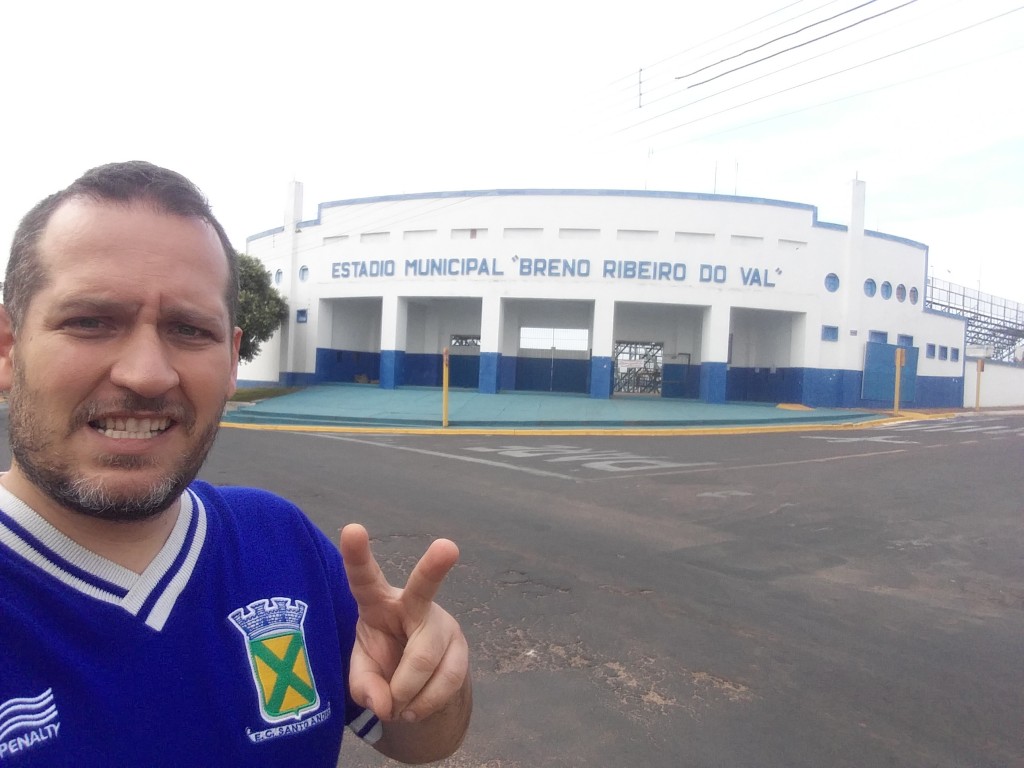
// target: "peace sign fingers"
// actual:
[[410, 656], [426, 578], [365, 578]]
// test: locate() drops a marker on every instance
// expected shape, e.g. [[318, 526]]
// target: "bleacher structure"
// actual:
[[994, 324]]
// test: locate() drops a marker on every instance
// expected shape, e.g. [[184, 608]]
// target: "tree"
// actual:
[[261, 309]]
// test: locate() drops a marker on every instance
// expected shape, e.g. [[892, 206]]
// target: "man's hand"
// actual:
[[410, 661]]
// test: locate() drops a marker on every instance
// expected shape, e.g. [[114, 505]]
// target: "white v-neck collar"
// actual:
[[150, 595]]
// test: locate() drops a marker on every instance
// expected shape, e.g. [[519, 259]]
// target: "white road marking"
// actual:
[[591, 458], [879, 439], [732, 468], [441, 454], [947, 427], [723, 494]]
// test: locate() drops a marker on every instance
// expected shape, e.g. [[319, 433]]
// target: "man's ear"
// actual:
[[6, 350], [236, 341]]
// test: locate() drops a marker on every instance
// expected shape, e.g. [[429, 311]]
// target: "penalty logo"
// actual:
[[276, 644]]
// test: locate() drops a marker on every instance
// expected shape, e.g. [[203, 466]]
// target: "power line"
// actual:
[[776, 39], [801, 45], [630, 88], [839, 72], [711, 40], [852, 95], [751, 80]]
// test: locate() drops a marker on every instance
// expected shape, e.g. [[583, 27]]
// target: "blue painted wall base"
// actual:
[[392, 368], [680, 381], [490, 368], [507, 372], [601, 377], [344, 365], [422, 370], [542, 374], [712, 382]]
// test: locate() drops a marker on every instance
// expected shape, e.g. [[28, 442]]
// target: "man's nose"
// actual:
[[144, 364]]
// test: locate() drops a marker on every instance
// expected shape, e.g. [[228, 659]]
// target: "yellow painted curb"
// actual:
[[568, 431]]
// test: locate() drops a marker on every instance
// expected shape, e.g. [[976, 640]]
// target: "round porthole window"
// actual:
[[832, 282], [901, 292], [913, 295], [870, 287], [303, 273], [886, 290], [278, 277]]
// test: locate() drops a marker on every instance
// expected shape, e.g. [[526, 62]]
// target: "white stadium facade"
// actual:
[[601, 292]]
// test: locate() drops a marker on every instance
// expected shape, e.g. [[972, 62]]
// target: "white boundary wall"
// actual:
[[1001, 384]]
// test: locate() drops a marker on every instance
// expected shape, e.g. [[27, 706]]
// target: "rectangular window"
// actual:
[[579, 234], [943, 353], [637, 235], [829, 333], [469, 234], [929, 350], [523, 233], [879, 337], [698, 239], [954, 354], [745, 241], [301, 315], [419, 234], [904, 341], [554, 338]]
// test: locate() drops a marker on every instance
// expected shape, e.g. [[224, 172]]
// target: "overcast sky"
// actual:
[[358, 99]]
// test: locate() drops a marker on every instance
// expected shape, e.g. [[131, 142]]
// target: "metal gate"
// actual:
[[638, 367]]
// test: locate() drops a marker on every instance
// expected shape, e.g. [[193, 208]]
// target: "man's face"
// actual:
[[120, 371]]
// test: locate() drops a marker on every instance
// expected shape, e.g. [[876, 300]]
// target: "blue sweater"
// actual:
[[232, 649]]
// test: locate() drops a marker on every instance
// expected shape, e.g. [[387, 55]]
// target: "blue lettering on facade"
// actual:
[[452, 267], [644, 270], [712, 273], [624, 269], [753, 276], [343, 270], [554, 267]]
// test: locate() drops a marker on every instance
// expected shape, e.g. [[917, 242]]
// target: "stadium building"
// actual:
[[607, 292]]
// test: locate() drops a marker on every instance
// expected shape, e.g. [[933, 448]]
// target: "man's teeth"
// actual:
[[132, 429]]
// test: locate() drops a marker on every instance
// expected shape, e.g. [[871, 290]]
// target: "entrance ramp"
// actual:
[[356, 405]]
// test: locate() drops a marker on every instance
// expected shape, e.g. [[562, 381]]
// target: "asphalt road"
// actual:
[[819, 599], [848, 598]]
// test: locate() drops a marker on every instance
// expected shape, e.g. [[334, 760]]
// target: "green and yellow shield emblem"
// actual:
[[280, 668]]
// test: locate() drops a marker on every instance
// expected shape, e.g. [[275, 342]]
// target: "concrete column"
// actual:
[[714, 353], [394, 322], [851, 279], [601, 349], [492, 328], [291, 361]]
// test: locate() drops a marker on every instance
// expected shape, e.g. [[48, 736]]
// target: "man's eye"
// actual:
[[191, 331], [84, 323]]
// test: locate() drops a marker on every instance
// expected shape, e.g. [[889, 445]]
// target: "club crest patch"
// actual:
[[276, 645]]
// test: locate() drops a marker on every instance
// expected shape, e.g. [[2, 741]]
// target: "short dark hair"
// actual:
[[123, 183]]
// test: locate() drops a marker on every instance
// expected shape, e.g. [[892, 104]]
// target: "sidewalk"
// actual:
[[367, 406]]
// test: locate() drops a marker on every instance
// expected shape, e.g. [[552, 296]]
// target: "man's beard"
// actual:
[[30, 446]]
